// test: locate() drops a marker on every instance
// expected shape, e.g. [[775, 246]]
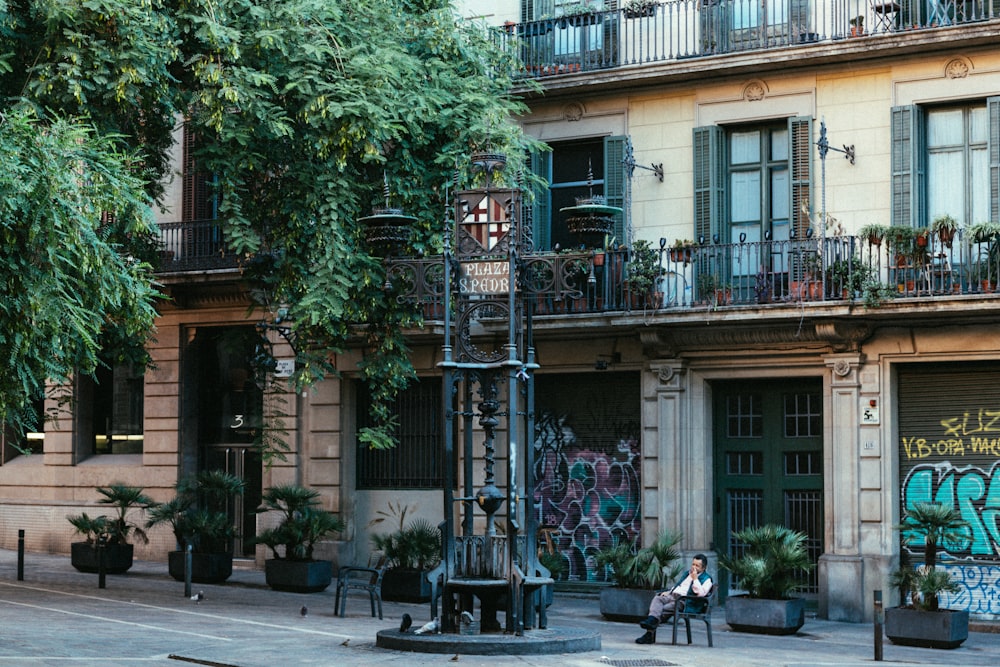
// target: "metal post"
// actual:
[[879, 619], [20, 555], [187, 571], [102, 544]]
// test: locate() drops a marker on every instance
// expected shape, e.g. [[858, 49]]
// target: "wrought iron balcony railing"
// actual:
[[195, 245], [680, 29]]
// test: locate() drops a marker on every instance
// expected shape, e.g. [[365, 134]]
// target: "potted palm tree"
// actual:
[[638, 575], [110, 533], [919, 619], [199, 518], [769, 570], [410, 552], [292, 567]]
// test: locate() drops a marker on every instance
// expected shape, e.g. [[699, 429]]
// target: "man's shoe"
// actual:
[[645, 639], [649, 623]]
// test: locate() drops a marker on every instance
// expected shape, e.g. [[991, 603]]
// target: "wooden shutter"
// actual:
[[908, 167], [615, 182], [993, 108], [709, 181], [541, 213], [800, 146]]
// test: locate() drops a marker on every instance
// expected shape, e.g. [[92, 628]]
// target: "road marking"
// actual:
[[214, 616]]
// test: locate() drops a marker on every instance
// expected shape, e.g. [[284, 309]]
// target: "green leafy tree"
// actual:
[[301, 109]]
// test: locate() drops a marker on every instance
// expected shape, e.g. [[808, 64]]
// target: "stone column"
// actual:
[[841, 573]]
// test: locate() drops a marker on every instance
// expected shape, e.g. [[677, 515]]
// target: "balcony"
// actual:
[[684, 29], [196, 245]]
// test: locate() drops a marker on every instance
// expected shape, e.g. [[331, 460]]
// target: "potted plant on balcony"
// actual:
[[944, 227], [410, 553], [198, 516], [919, 619], [769, 569], [636, 9], [857, 26], [292, 567], [682, 251], [644, 273], [112, 534], [874, 233], [580, 14], [637, 574]]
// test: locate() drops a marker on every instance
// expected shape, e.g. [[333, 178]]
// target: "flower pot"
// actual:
[[769, 617], [117, 557], [212, 568], [298, 576], [625, 604], [945, 628]]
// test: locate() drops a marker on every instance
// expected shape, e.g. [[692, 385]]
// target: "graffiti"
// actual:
[[979, 588], [588, 496], [922, 448], [983, 421], [973, 492]]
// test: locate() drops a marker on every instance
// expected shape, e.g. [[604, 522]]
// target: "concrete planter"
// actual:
[[205, 568], [769, 617], [405, 586], [298, 576], [117, 557], [626, 604], [945, 628]]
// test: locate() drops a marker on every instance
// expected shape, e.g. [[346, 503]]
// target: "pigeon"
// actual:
[[344, 643], [304, 611], [431, 626], [199, 596], [405, 623], [467, 618], [454, 658]]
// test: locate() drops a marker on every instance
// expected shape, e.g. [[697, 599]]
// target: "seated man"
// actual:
[[697, 582]]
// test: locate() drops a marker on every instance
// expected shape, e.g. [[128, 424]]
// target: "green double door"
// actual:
[[768, 458]]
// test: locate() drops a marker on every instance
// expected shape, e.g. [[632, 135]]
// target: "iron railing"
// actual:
[[681, 29], [715, 275]]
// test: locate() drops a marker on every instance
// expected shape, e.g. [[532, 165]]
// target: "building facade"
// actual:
[[784, 367]]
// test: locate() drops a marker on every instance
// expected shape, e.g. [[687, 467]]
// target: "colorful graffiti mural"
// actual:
[[959, 467], [587, 497]]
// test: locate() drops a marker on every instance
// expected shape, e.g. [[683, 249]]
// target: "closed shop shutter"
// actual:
[[587, 464], [949, 450]]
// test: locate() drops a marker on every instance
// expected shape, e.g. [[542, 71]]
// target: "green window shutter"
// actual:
[[615, 182], [541, 206], [709, 181], [908, 167], [800, 147], [993, 108]]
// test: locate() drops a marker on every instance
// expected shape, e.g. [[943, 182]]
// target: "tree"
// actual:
[[302, 107]]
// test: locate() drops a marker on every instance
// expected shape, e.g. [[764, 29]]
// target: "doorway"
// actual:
[[222, 409], [768, 460]]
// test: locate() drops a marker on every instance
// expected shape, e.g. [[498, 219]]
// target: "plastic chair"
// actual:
[[694, 607], [367, 579]]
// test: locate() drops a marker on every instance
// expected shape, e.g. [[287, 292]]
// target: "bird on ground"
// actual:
[[431, 626], [344, 643], [405, 624], [199, 596], [454, 658], [304, 611]]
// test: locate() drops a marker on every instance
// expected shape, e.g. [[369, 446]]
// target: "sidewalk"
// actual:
[[58, 616]]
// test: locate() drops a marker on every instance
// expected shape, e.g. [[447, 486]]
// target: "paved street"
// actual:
[[57, 616]]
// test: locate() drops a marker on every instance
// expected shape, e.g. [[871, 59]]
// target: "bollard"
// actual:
[[879, 617], [20, 555], [102, 543], [187, 571]]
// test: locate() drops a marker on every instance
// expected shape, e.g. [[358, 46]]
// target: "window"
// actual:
[[416, 462], [113, 402], [941, 163], [566, 169], [754, 13], [200, 201]]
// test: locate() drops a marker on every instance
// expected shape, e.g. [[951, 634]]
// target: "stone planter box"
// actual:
[[297, 576], [117, 557], [769, 617], [205, 568], [626, 604], [405, 586], [945, 628]]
